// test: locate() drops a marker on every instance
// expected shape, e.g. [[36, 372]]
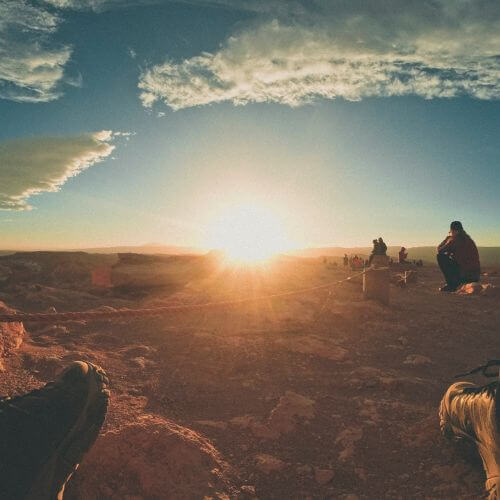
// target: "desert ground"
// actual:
[[318, 395]]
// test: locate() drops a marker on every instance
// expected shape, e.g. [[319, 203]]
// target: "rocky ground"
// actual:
[[309, 396]]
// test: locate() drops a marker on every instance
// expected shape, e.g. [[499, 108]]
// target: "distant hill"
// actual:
[[152, 248], [490, 256]]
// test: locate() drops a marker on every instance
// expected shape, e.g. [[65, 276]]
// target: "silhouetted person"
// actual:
[[458, 258], [346, 260], [402, 255], [382, 247], [375, 251], [355, 262]]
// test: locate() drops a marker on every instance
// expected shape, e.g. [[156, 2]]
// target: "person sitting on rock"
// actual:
[[45, 433], [382, 247], [458, 258], [402, 255]]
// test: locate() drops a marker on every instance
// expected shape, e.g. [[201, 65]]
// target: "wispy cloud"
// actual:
[[33, 166], [332, 48], [31, 65]]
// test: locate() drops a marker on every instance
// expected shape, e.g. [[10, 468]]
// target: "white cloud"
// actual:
[[439, 48], [33, 166], [31, 67]]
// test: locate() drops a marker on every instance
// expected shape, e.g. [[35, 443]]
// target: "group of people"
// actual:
[[457, 257], [354, 263]]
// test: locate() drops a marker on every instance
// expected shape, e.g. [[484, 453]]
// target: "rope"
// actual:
[[79, 315]]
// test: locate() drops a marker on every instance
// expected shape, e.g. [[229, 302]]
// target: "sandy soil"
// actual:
[[312, 396]]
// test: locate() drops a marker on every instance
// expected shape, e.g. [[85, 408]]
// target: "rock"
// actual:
[[361, 473], [348, 438], [138, 362], [417, 359], [244, 421], [490, 290], [152, 458], [51, 310], [470, 289], [213, 423], [403, 340], [248, 489], [285, 416], [323, 476], [46, 366], [303, 469], [267, 463], [53, 330], [11, 334], [137, 350]]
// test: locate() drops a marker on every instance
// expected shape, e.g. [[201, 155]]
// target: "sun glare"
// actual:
[[248, 234]]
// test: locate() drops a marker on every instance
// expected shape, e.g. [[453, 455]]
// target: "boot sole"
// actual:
[[54, 475]]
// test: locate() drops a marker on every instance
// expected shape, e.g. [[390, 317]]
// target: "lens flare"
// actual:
[[248, 234]]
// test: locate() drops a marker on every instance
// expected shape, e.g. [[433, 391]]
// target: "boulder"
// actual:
[[152, 458]]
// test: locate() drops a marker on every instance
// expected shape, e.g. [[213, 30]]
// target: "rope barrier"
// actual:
[[79, 315]]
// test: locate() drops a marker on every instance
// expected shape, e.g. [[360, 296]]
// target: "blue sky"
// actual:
[[127, 122]]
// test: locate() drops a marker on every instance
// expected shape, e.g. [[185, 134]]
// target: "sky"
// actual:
[[125, 122]]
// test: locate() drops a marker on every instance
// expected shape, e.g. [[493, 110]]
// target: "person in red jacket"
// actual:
[[458, 258]]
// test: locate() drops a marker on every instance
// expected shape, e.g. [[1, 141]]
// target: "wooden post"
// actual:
[[376, 284]]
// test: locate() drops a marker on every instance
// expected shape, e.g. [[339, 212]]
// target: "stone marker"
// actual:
[[376, 284]]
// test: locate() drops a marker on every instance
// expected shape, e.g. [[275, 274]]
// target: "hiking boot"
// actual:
[[473, 412], [44, 434]]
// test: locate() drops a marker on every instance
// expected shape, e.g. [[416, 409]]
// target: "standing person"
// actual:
[[346, 260], [375, 251], [458, 258], [402, 255]]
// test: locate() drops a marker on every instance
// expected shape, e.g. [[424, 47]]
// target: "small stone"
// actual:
[[417, 359], [268, 463], [323, 476], [138, 362], [248, 489], [303, 469]]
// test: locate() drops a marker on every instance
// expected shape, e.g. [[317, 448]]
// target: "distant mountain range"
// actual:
[[490, 256], [150, 248]]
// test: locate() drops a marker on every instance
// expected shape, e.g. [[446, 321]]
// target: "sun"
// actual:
[[248, 234]]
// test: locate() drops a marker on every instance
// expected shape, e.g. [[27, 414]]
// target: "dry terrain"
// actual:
[[309, 396]]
